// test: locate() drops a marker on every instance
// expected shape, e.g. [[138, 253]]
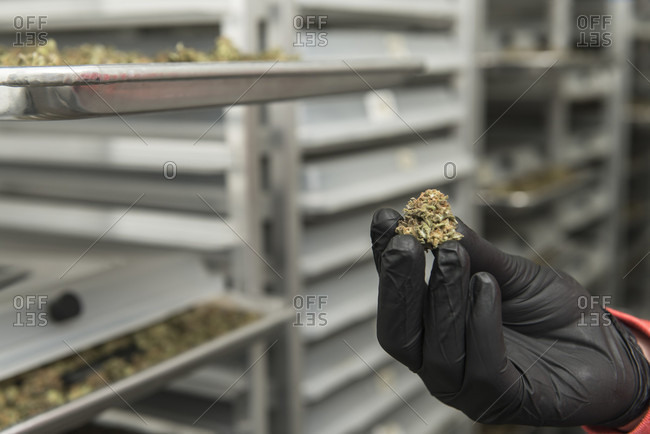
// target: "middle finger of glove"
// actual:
[[444, 319]]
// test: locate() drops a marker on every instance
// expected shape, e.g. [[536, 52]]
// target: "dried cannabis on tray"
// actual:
[[429, 219], [49, 386], [88, 54]]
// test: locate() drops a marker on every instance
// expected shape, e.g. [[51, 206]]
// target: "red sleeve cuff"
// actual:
[[642, 327]]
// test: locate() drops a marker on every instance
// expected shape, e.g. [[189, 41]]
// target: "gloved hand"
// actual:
[[501, 338]]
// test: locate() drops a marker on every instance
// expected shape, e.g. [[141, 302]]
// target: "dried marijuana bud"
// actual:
[[49, 386], [92, 54], [184, 54], [429, 219]]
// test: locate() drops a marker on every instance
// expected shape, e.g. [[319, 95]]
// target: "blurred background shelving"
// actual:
[[188, 177], [555, 83], [636, 213], [359, 152], [534, 125]]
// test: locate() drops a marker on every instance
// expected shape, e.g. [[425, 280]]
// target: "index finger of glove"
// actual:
[[402, 293], [382, 230]]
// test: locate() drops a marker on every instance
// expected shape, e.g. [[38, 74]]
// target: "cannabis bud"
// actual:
[[429, 219]]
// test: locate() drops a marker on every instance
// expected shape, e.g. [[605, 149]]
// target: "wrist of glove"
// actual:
[[641, 365], [500, 337]]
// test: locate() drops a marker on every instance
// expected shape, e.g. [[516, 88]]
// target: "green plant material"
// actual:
[[49, 386], [184, 54], [429, 219], [92, 54], [536, 180], [224, 49], [95, 54]]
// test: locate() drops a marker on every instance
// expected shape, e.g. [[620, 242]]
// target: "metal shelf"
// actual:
[[585, 262], [185, 125], [326, 136], [74, 92], [116, 188], [345, 43], [146, 227], [538, 59], [336, 184], [364, 193], [580, 148], [213, 382], [370, 398], [126, 420], [517, 200], [76, 412], [437, 415], [336, 242], [73, 14], [408, 12], [119, 291], [334, 257], [540, 232], [224, 417], [636, 217], [356, 309], [425, 42], [330, 365], [588, 83], [351, 298], [642, 30], [128, 153], [584, 207], [640, 114], [358, 155]]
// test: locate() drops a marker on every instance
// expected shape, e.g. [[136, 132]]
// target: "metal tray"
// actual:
[[335, 184], [351, 298], [119, 292], [339, 122], [440, 50], [124, 153], [439, 418], [75, 413], [71, 92], [330, 365], [371, 398], [115, 189], [526, 199], [138, 226], [426, 13]]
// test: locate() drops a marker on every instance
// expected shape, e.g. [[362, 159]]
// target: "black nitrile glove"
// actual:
[[501, 338]]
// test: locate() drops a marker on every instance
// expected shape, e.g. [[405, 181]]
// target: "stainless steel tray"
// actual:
[[75, 413], [71, 92], [526, 199]]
